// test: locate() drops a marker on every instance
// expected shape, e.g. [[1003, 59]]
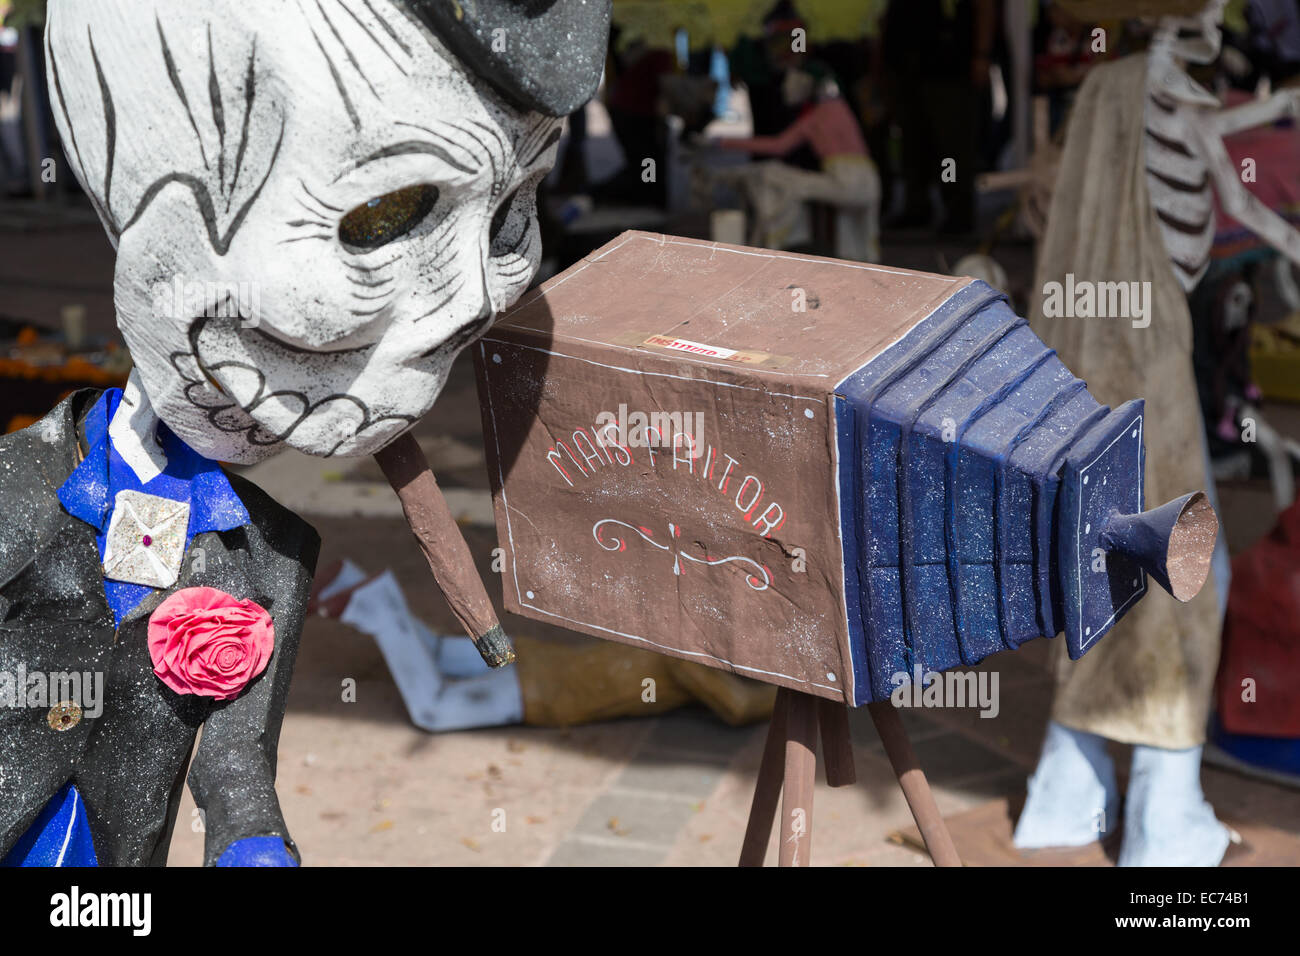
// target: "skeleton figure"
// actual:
[[1133, 201], [1185, 127], [315, 206], [1185, 131]]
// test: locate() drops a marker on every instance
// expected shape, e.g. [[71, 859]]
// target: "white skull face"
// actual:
[[1195, 39], [315, 207]]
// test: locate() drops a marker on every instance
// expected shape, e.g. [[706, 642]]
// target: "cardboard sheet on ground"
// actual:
[[443, 681]]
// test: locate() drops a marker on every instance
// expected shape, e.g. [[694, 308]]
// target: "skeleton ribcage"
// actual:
[[1178, 183]]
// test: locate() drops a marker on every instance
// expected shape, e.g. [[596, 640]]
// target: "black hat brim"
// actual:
[[542, 55]]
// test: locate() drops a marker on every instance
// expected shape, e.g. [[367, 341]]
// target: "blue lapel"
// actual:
[[91, 489]]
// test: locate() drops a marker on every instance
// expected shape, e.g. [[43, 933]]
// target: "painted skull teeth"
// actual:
[[238, 401]]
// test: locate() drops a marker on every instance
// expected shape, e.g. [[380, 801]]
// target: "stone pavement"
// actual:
[[361, 786]]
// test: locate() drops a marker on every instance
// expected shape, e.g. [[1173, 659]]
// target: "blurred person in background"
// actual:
[[634, 100], [938, 54], [1063, 54], [1274, 34], [847, 180], [11, 166]]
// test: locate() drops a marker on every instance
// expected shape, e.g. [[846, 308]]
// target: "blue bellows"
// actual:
[[977, 476]]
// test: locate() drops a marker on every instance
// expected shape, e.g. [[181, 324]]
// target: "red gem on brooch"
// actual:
[[146, 541]]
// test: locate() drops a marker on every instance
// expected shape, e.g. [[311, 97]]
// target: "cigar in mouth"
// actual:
[[444, 547]]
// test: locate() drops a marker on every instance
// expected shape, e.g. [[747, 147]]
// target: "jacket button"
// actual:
[[64, 716]]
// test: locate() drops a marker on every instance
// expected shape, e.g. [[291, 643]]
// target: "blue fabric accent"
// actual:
[[60, 836], [257, 851], [1277, 754], [91, 489]]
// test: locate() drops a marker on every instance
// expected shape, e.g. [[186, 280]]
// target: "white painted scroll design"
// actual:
[[759, 580]]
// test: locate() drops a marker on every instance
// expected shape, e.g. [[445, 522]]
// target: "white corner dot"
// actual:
[[1135, 582], [530, 595], [1135, 433], [496, 357], [1085, 479], [1087, 631], [807, 413], [830, 676]]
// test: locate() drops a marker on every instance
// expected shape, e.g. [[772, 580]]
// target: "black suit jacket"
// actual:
[[129, 763]]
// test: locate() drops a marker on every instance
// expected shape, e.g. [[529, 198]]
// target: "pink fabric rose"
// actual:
[[207, 642]]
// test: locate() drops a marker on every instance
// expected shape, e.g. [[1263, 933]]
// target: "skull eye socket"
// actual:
[[502, 215], [513, 218], [387, 218]]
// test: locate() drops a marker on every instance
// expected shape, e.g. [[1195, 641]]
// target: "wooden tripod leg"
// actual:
[[837, 744], [800, 779], [912, 781], [767, 790]]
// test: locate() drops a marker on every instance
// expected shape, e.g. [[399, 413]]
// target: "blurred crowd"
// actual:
[[928, 82], [929, 87]]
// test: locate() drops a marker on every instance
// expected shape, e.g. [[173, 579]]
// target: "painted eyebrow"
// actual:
[[414, 148]]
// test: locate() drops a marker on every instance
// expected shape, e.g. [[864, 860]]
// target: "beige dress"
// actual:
[[1149, 681]]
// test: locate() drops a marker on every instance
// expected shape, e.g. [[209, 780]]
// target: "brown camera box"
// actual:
[[661, 442]]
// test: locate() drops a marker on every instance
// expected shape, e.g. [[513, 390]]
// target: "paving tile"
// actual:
[[641, 819], [575, 851], [951, 757], [650, 773], [695, 730]]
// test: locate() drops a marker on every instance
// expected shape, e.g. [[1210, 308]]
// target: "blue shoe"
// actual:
[[1167, 821], [1073, 799]]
